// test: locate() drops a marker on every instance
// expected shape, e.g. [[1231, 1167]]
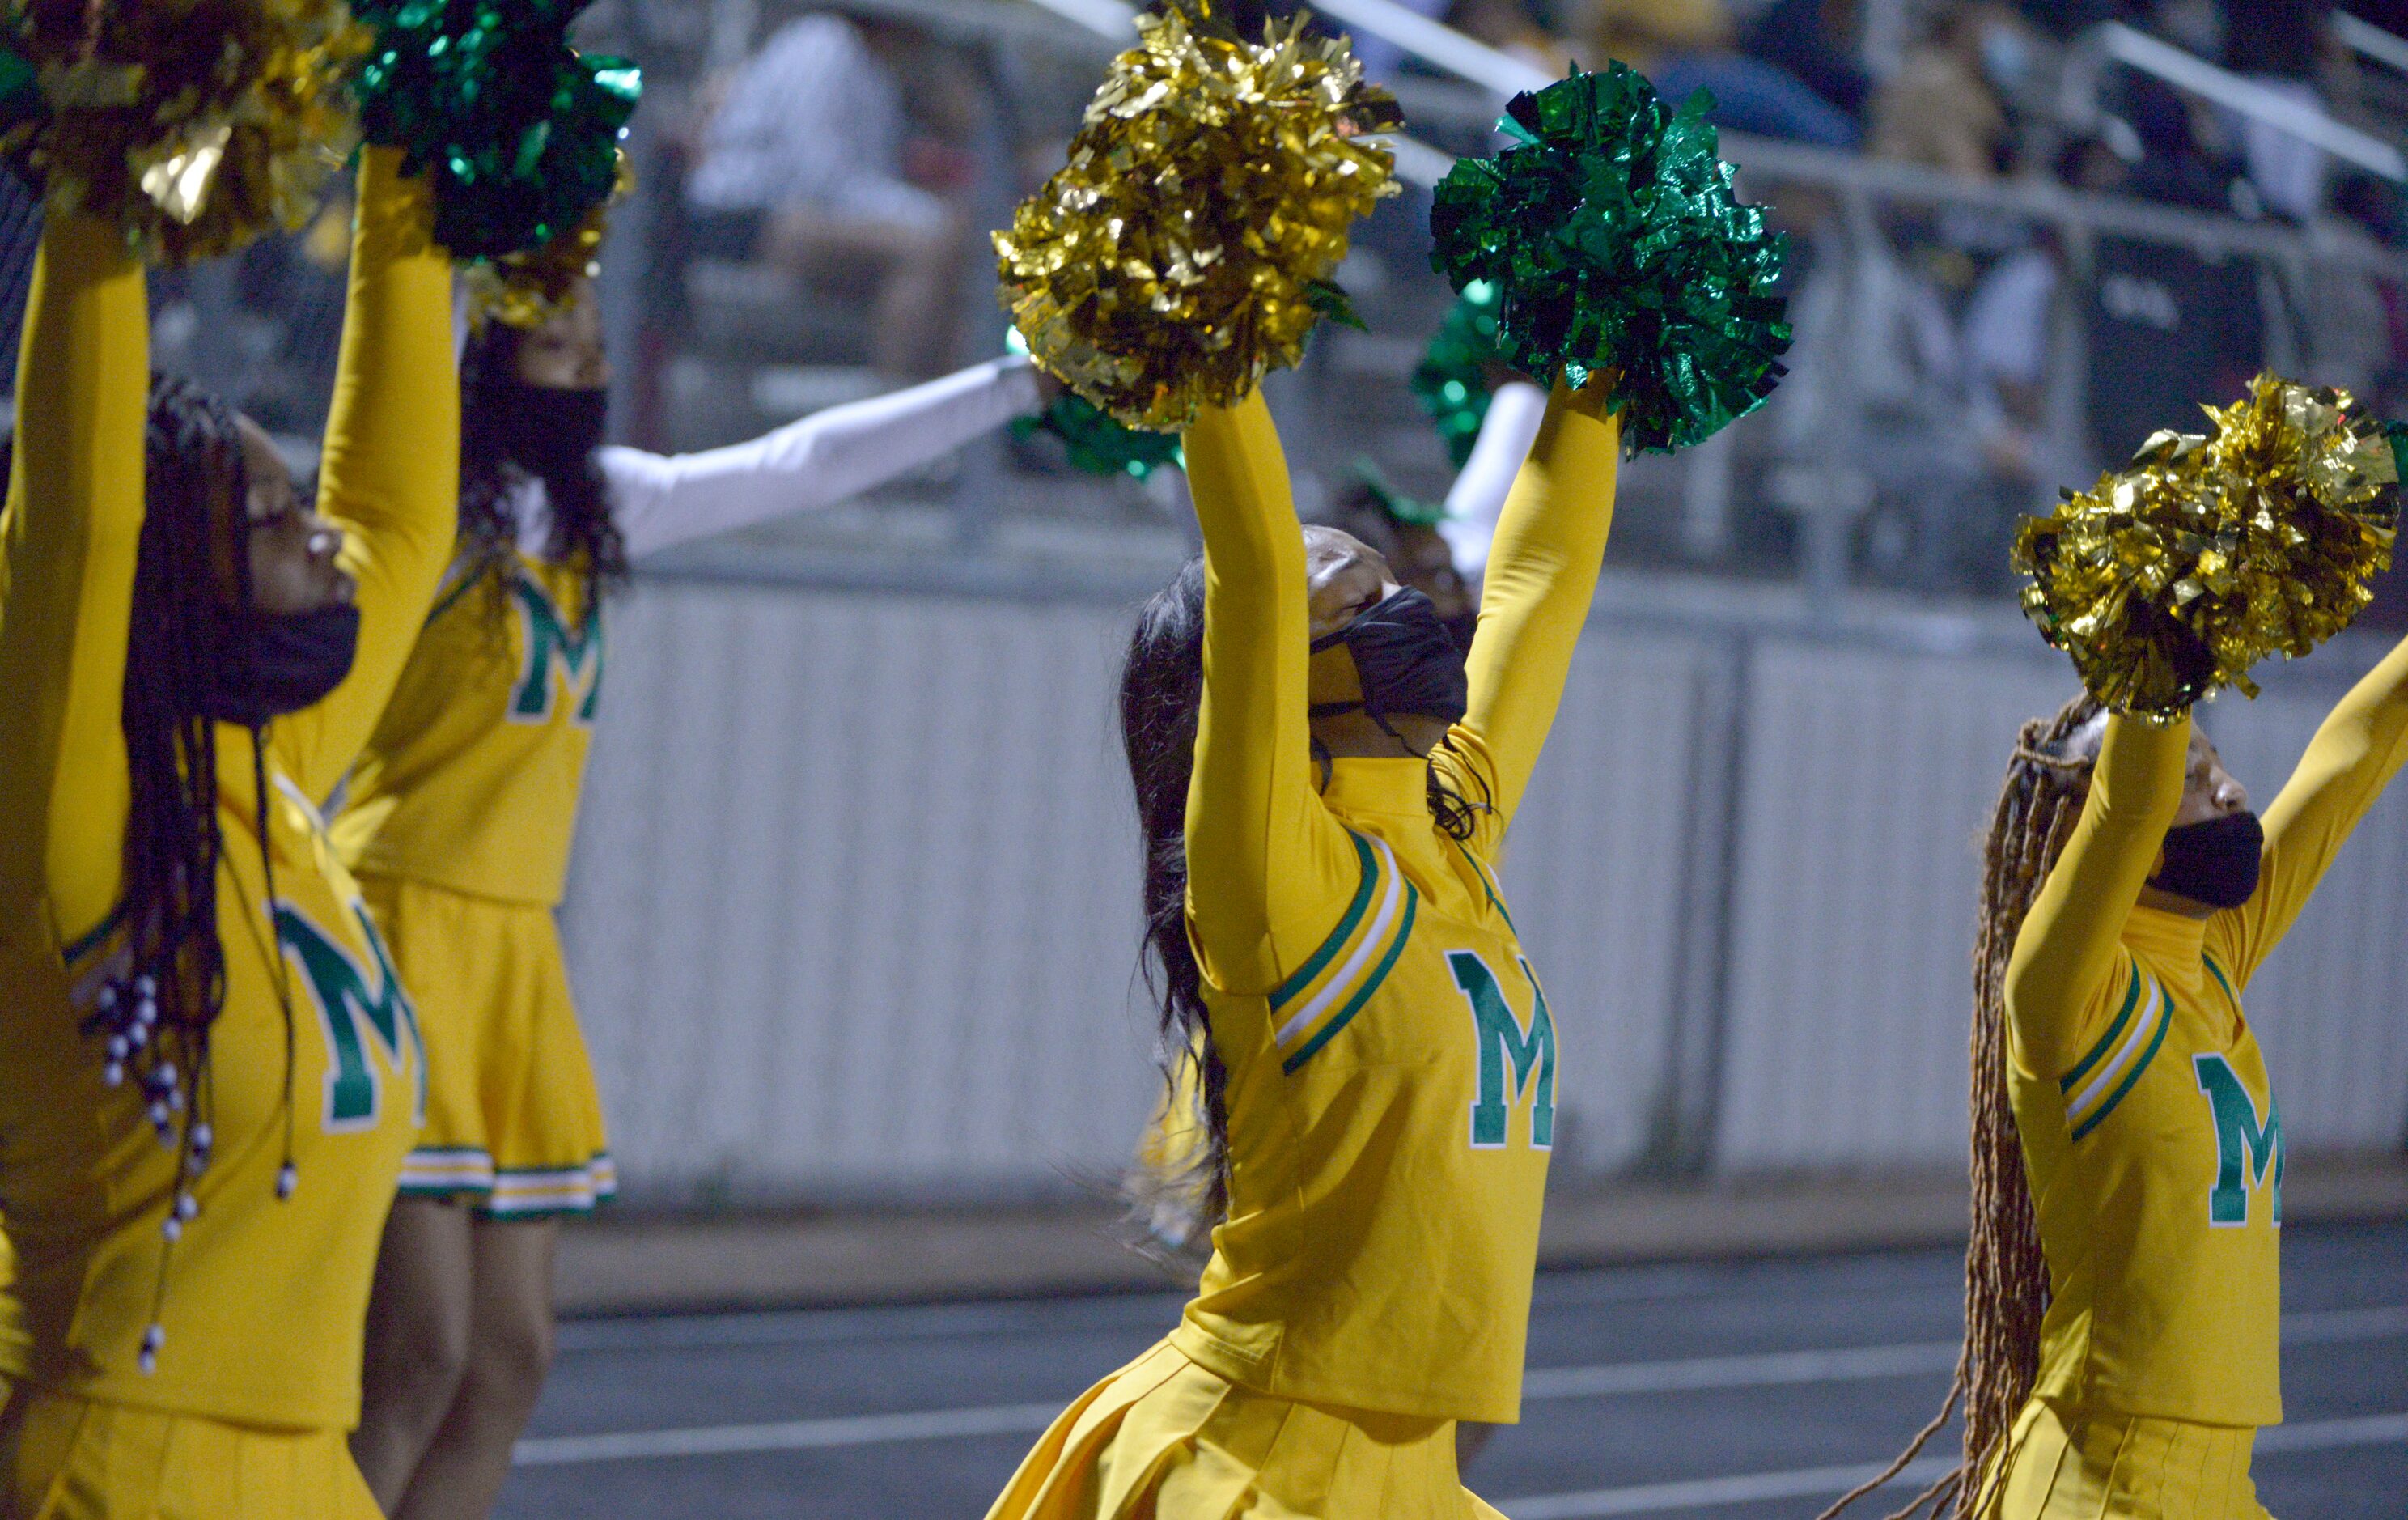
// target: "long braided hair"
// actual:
[[2006, 1277], [583, 532], [162, 991], [1178, 1198], [195, 482]]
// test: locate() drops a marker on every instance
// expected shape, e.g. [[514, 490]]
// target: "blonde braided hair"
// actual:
[[2006, 1277]]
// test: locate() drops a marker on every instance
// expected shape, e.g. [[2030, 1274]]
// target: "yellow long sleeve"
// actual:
[[1541, 576], [69, 539], [392, 465], [2355, 752], [1263, 858], [2060, 976]]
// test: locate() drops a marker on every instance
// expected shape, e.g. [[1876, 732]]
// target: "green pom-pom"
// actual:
[[1616, 240], [1451, 380], [522, 133], [1097, 443]]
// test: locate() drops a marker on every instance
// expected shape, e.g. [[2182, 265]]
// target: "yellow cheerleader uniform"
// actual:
[[460, 815], [2151, 1139], [257, 1379], [1390, 1053]]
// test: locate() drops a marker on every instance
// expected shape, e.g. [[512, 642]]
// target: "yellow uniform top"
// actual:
[[471, 781], [1391, 1058], [2149, 1130], [264, 1299]]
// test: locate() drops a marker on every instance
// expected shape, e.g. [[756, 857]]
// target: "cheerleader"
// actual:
[[208, 1072], [2123, 1290], [1441, 554], [458, 822], [1323, 788]]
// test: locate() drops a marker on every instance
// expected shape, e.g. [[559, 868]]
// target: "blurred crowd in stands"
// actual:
[[2014, 254], [1955, 363]]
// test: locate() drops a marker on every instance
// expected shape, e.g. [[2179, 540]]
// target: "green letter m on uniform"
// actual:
[[2240, 1141], [1505, 1045], [351, 1010], [577, 656]]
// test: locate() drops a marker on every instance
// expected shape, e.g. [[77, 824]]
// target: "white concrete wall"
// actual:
[[854, 909]]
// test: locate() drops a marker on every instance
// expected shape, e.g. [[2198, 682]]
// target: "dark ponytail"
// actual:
[[1180, 1196]]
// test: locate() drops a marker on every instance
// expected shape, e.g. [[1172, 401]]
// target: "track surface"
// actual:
[[1733, 1391]]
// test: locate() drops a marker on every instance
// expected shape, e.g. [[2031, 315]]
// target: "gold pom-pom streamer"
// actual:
[[530, 287], [194, 125], [2170, 577], [1186, 248]]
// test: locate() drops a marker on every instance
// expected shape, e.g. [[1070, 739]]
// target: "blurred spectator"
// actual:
[[1508, 27], [2012, 327], [1815, 41], [1875, 388], [2351, 319], [1946, 107], [2282, 45], [808, 164], [1685, 46], [2166, 330], [2175, 167]]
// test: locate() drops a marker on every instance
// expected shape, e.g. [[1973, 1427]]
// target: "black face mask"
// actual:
[[282, 662], [1461, 627], [1405, 662], [2215, 862], [548, 432]]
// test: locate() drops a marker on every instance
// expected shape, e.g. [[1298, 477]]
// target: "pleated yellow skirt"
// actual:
[[513, 1119], [1163, 1439], [67, 1459], [2072, 1464]]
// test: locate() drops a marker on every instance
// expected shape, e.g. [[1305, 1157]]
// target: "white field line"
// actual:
[[1761, 1369], [1766, 1370], [789, 1435]]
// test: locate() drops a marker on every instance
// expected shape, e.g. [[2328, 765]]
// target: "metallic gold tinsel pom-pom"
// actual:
[[1185, 248], [2172, 577], [194, 125]]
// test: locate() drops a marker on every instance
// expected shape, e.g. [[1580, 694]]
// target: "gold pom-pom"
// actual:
[[1186, 248], [194, 125], [2172, 577], [529, 287]]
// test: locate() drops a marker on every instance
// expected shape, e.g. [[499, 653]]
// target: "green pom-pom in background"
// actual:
[[1098, 444], [1451, 380], [1616, 240], [520, 131]]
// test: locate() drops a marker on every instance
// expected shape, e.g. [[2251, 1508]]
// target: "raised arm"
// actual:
[[390, 476], [1541, 576], [1263, 854], [828, 457], [2353, 757], [2062, 974], [1477, 498], [69, 539]]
